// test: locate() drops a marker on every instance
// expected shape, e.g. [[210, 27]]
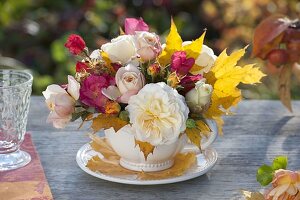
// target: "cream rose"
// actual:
[[147, 44], [199, 97], [61, 103], [121, 49], [158, 114], [206, 58]]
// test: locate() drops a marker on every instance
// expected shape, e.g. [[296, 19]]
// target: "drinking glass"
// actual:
[[15, 91]]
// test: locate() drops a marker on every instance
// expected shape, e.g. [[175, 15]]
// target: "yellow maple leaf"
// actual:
[[225, 76], [145, 147], [195, 134], [107, 121], [108, 63], [253, 195], [174, 43]]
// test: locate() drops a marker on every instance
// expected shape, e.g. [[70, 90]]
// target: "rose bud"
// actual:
[[199, 97], [278, 57], [153, 70], [75, 44]]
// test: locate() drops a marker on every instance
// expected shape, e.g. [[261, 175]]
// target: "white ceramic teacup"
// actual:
[[123, 143]]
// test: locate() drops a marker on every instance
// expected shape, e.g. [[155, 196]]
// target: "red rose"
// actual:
[[81, 67], [75, 44]]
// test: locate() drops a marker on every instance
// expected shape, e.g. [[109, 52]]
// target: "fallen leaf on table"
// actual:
[[253, 195], [145, 147]]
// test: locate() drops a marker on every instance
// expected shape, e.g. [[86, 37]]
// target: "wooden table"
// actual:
[[258, 132]]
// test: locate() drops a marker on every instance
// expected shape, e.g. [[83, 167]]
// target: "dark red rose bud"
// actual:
[[81, 67], [75, 44], [278, 57]]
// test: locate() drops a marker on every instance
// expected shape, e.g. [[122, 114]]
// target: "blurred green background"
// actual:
[[34, 31]]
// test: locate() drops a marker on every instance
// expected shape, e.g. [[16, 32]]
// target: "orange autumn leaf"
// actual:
[[145, 147], [106, 122]]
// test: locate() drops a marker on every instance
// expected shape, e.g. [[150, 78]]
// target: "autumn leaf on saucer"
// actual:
[[225, 76], [145, 147]]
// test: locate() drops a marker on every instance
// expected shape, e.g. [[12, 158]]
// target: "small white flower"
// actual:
[[199, 97], [158, 114]]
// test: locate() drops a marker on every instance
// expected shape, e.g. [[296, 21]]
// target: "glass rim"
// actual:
[[17, 72]]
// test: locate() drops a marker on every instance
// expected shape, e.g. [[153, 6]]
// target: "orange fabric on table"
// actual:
[[26, 183]]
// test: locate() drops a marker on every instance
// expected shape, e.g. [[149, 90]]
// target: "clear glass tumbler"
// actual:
[[15, 91]]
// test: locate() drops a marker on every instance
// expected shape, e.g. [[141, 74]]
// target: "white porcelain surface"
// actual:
[[123, 143], [205, 162]]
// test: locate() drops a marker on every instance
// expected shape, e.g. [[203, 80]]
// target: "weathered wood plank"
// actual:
[[258, 132]]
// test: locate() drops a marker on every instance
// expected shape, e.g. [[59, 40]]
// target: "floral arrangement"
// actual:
[[285, 184], [160, 91], [277, 40]]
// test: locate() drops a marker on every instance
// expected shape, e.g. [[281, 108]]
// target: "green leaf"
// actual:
[[280, 162], [190, 123], [265, 175]]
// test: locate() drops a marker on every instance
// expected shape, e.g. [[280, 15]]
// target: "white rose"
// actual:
[[96, 54], [206, 58], [199, 97], [148, 45], [120, 49], [158, 114]]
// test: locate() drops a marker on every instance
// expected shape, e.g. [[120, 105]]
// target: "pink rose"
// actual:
[[285, 186], [91, 91], [133, 24], [188, 82], [129, 81], [148, 45], [180, 63], [61, 103]]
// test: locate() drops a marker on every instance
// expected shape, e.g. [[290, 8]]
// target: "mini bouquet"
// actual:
[[155, 92]]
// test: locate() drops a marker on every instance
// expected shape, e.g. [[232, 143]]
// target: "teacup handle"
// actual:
[[211, 138]]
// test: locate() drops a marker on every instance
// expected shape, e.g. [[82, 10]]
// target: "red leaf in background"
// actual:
[[75, 44], [278, 57], [268, 34]]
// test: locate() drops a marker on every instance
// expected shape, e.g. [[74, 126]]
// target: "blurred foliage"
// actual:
[[34, 31]]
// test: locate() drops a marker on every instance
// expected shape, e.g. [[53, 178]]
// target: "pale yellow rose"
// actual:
[[158, 114]]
